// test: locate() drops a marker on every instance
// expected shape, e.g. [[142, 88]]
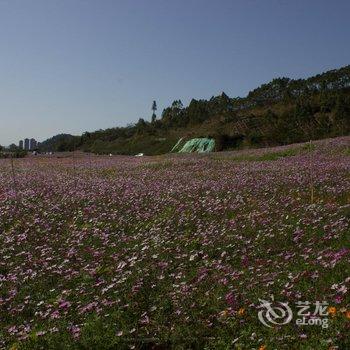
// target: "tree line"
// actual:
[[279, 112]]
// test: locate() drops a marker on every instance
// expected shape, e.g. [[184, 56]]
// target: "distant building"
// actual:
[[20, 144], [33, 144], [26, 144]]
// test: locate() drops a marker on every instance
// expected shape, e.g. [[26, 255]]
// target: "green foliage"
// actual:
[[61, 143], [13, 153], [281, 112]]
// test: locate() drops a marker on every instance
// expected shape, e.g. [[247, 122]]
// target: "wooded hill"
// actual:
[[280, 112]]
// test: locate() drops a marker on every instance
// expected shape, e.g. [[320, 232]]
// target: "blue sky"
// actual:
[[72, 65]]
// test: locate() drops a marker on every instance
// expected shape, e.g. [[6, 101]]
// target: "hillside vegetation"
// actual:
[[281, 112]]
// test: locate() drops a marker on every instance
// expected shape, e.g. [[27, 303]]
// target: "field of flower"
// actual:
[[175, 251]]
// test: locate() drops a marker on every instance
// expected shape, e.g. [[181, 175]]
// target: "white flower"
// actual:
[[342, 289]]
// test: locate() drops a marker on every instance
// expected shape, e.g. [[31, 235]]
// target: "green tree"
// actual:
[[341, 120], [154, 107]]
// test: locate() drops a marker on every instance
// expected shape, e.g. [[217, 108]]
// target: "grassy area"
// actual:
[[268, 156]]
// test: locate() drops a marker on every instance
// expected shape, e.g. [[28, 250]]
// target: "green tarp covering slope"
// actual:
[[199, 145], [177, 146]]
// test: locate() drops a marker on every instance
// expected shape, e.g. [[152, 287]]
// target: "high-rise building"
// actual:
[[26, 144], [20, 144], [32, 144]]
